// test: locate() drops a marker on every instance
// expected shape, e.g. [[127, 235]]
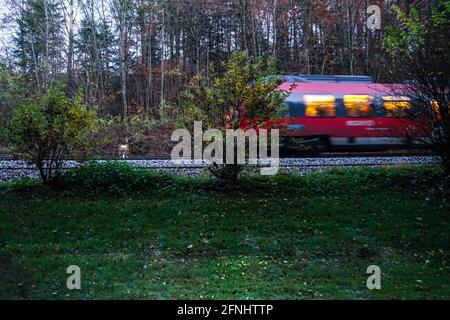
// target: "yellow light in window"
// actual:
[[358, 105], [396, 98], [437, 110], [396, 105], [320, 105]]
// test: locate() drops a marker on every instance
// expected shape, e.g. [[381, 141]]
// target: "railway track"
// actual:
[[10, 169], [289, 154], [293, 165]]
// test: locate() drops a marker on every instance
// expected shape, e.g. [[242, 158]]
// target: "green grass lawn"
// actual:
[[286, 237]]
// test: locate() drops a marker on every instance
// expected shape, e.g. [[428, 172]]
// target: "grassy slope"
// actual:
[[281, 238]]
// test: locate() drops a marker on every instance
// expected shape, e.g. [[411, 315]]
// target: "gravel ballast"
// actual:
[[12, 169]]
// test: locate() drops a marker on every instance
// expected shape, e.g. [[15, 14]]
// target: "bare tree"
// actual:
[[122, 11], [70, 12]]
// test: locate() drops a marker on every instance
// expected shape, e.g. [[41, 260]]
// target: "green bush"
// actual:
[[49, 127], [245, 90], [11, 93], [20, 184], [113, 177]]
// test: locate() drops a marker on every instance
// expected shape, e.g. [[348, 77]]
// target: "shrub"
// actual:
[[49, 127], [23, 183], [113, 177], [11, 92], [245, 90]]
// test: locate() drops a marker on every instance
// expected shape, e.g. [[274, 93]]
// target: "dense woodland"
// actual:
[[135, 56]]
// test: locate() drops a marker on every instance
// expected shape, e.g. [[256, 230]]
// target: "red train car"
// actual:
[[345, 112]]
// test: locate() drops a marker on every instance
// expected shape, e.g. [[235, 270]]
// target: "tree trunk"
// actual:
[[123, 59], [70, 50]]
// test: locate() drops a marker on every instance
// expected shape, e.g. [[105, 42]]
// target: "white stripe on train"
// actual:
[[374, 141]]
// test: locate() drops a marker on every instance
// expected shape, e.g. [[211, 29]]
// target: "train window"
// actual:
[[320, 105], [436, 109], [396, 106], [358, 105]]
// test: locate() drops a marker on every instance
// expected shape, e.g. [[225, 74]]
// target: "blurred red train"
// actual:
[[347, 112]]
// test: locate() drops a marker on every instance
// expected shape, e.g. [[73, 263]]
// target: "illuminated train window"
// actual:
[[437, 111], [358, 105], [435, 108], [320, 105], [396, 106]]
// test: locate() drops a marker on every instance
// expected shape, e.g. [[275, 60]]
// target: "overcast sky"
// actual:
[[5, 32]]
